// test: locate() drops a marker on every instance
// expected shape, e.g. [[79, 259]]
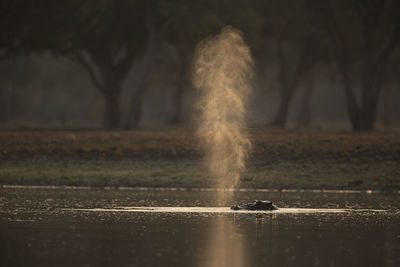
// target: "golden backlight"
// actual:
[[223, 68]]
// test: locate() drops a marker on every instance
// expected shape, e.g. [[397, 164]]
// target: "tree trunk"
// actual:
[[372, 85], [286, 98], [374, 52], [304, 117], [177, 95], [366, 121], [353, 110], [362, 115], [135, 107], [367, 115], [363, 118], [289, 77], [177, 104], [112, 115], [112, 94], [352, 107], [387, 108], [107, 76]]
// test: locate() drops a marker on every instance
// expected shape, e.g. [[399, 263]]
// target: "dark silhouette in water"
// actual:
[[256, 205]]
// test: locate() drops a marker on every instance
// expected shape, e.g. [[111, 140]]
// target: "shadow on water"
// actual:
[[35, 231]]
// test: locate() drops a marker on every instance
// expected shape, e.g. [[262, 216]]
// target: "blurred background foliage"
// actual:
[[128, 63]]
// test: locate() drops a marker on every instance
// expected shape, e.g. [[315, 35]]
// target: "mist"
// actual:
[[223, 67]]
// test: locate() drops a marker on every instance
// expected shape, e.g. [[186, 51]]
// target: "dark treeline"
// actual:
[[304, 47]]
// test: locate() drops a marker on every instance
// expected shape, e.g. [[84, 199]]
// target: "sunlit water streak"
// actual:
[[222, 210], [223, 67]]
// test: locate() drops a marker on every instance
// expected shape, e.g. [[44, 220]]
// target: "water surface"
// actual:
[[35, 230]]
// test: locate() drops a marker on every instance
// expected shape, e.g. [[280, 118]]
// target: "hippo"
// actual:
[[256, 205]]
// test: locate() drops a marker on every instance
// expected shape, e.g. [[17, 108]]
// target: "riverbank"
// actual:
[[172, 158]]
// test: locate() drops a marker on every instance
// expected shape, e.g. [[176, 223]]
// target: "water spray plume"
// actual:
[[223, 67]]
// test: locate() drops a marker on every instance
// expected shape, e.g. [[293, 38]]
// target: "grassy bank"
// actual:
[[173, 158]]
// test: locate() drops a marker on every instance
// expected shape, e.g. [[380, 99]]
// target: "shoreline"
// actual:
[[281, 161], [200, 189]]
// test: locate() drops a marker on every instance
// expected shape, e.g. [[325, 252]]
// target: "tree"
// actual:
[[104, 37], [304, 115], [298, 53], [291, 71], [108, 46], [134, 112], [282, 33], [364, 34], [188, 23]]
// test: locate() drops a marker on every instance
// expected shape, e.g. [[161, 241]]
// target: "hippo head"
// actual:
[[263, 205], [256, 205]]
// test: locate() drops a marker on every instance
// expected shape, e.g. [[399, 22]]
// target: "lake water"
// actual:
[[35, 230]]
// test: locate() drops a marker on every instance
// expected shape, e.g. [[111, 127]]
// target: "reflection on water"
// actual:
[[35, 231], [225, 245]]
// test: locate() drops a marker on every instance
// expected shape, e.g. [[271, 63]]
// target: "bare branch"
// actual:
[[392, 42], [125, 64], [80, 59], [391, 45], [341, 51]]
